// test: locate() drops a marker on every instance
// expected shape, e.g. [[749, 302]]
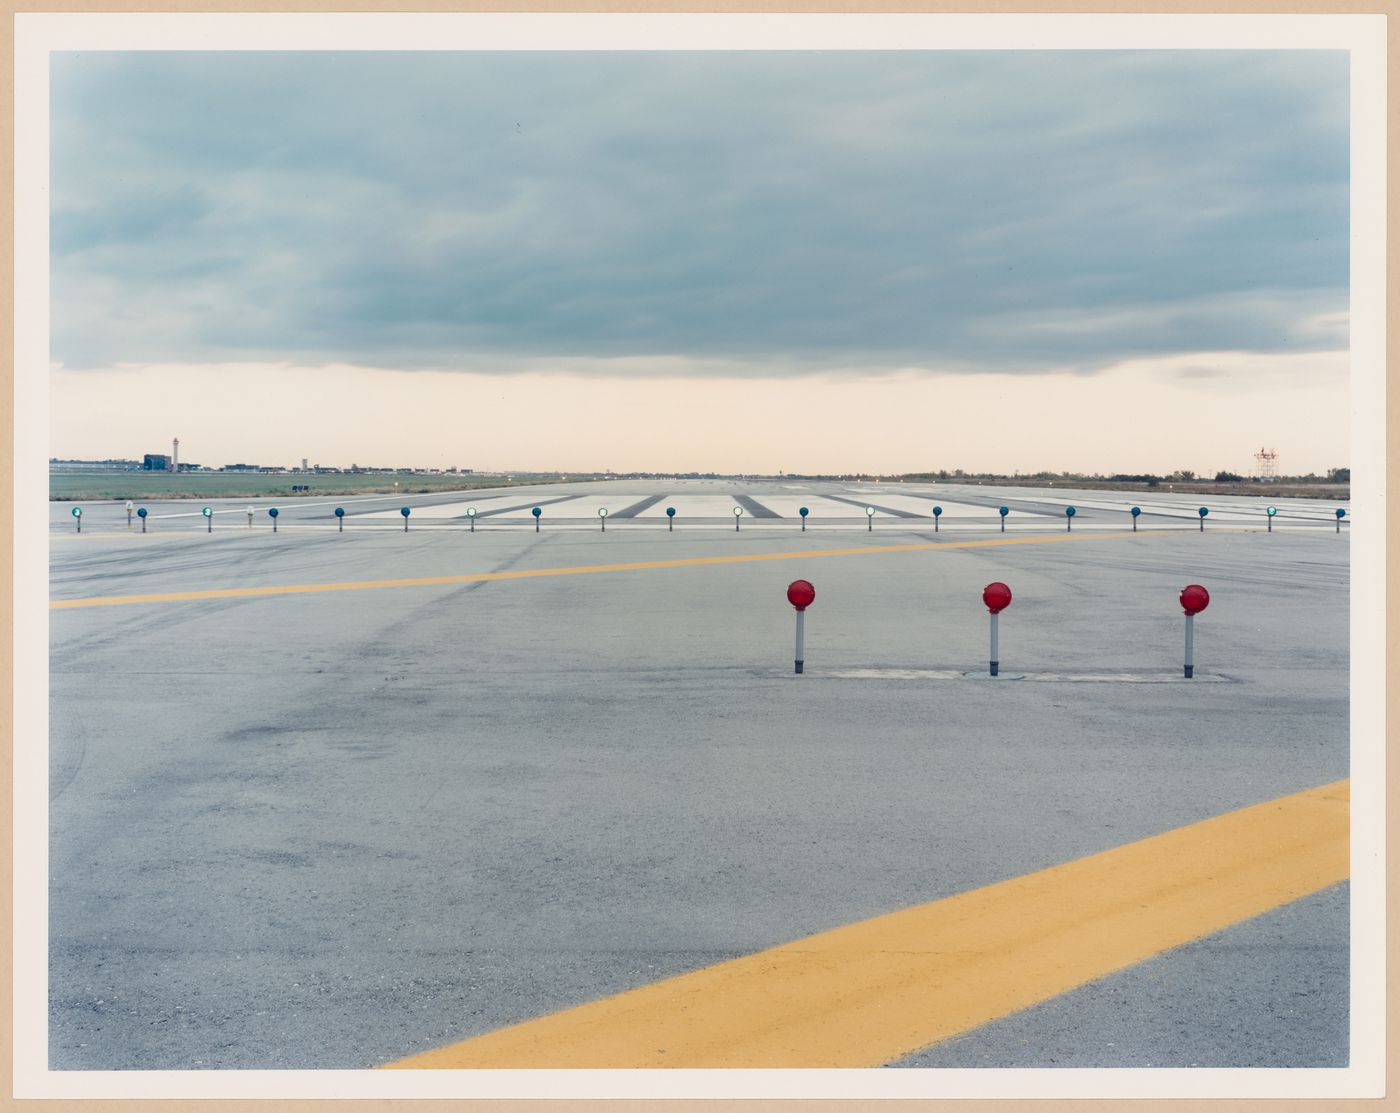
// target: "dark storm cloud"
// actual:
[[967, 210]]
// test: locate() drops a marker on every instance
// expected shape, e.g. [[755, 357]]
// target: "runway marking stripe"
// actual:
[[527, 573], [869, 993]]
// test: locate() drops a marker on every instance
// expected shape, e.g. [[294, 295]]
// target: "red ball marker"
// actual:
[[997, 597], [800, 594], [1194, 599]]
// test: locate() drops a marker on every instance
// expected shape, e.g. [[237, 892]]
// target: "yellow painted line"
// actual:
[[586, 569], [868, 993]]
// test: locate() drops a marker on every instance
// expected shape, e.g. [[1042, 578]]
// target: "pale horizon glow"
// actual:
[[1203, 412]]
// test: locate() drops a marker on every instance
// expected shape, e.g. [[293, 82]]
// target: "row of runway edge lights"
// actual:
[[997, 597], [339, 512]]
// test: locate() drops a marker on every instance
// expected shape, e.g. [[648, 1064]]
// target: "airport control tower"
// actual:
[[175, 456]]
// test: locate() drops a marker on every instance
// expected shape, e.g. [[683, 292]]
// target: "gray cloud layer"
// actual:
[[967, 210]]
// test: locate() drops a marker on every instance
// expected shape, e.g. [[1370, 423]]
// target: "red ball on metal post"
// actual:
[[997, 597], [1194, 599], [800, 594]]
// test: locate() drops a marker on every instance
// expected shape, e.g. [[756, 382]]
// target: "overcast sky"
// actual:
[[666, 232]]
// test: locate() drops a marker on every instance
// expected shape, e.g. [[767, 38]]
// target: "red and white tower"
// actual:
[[175, 455]]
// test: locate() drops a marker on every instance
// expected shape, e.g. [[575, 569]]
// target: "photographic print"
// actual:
[[687, 545]]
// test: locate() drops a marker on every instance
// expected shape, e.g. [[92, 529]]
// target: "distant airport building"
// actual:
[[156, 462], [56, 465]]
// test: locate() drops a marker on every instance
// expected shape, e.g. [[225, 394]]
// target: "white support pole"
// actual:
[[797, 656], [1190, 664], [995, 660]]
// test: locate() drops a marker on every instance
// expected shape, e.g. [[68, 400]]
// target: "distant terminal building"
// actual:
[[155, 461]]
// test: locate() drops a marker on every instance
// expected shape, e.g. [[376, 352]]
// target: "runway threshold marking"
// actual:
[[529, 573], [869, 993]]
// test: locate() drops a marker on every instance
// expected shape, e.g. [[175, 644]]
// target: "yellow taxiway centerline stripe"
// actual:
[[528, 573], [869, 993]]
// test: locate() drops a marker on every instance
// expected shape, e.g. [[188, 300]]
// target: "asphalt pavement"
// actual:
[[332, 828]]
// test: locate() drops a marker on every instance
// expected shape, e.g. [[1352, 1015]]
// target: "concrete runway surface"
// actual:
[[340, 827]]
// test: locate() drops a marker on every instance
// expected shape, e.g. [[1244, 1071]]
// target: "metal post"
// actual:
[[341, 520], [1003, 523], [274, 525], [210, 520], [143, 525], [1203, 525], [670, 525], [1135, 523], [537, 523], [1271, 523], [128, 519], [797, 657], [995, 663], [1069, 523], [1190, 665]]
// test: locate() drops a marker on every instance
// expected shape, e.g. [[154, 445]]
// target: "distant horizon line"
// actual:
[[122, 466]]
